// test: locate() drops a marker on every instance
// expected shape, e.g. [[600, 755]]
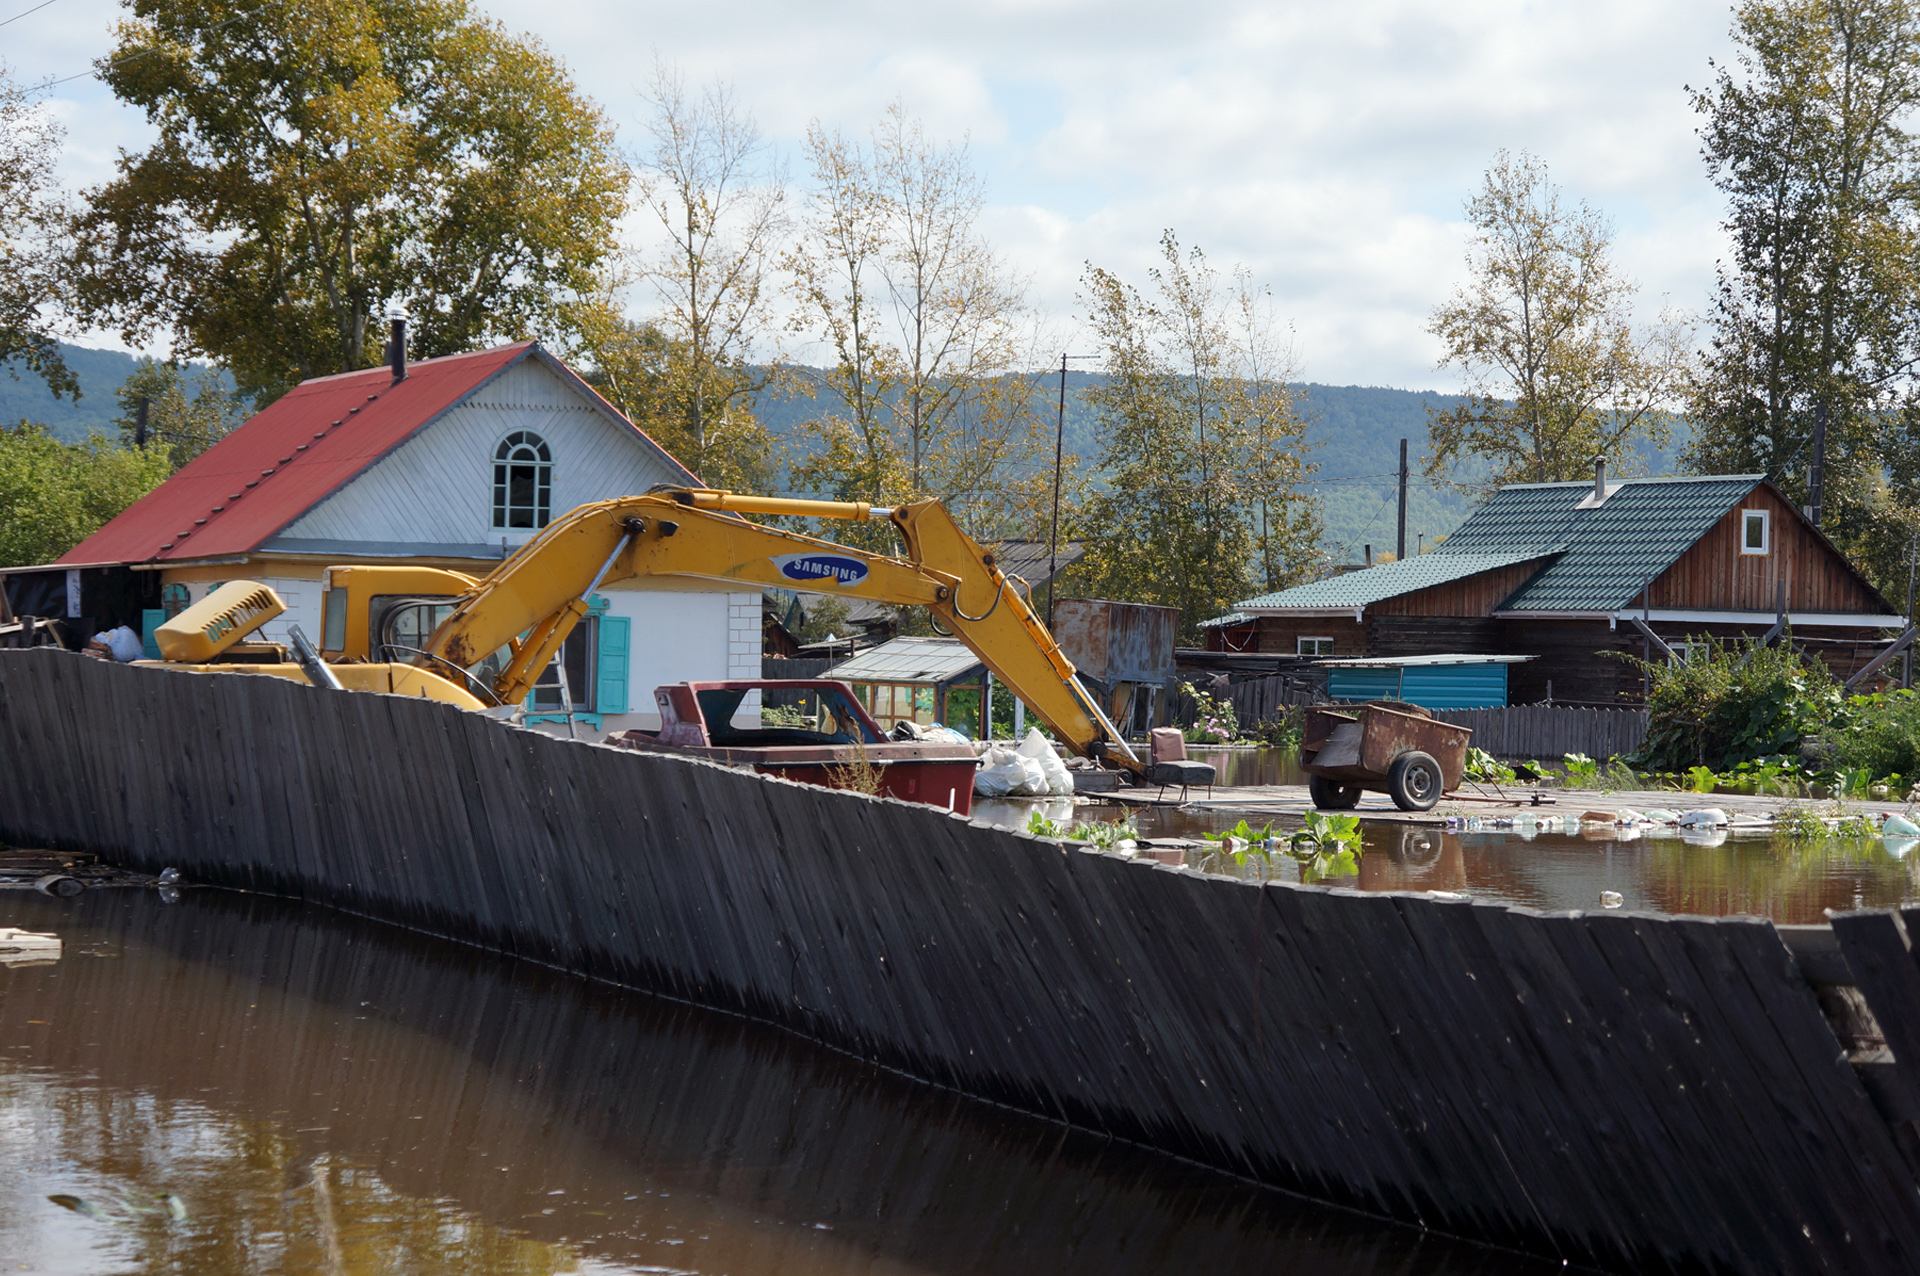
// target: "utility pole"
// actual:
[[1816, 472], [1059, 442], [1400, 549]]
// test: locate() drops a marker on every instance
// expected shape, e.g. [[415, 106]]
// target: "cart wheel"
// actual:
[[1330, 795], [1413, 781]]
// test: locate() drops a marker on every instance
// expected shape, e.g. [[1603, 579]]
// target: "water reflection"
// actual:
[[1706, 871], [332, 1096]]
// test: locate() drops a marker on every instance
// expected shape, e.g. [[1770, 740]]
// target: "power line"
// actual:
[[137, 53], [36, 8]]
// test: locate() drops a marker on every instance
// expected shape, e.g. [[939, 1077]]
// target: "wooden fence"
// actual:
[[1538, 731], [1549, 731], [1637, 1092]]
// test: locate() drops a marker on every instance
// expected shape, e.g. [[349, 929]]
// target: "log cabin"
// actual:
[[1578, 574]]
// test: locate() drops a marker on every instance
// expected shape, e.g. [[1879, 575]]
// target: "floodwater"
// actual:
[[232, 1084], [1658, 870]]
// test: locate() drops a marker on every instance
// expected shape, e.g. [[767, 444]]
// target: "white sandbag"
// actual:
[[998, 780], [123, 643], [1707, 817], [943, 735], [1054, 773]]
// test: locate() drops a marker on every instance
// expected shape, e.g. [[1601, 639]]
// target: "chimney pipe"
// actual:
[[397, 345], [1599, 479]]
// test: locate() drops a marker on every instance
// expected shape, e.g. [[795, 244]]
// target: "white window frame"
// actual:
[[1766, 532], [1300, 645]]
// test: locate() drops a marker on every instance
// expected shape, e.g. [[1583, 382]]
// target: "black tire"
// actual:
[[1331, 795], [1414, 781]]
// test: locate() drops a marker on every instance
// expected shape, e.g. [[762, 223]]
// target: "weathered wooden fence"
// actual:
[[1549, 731], [1645, 1093]]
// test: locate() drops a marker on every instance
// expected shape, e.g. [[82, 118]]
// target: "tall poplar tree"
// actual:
[[1810, 135], [1201, 444], [29, 218], [1544, 333], [317, 160]]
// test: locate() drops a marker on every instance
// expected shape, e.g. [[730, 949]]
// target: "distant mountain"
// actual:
[[1354, 433], [100, 373]]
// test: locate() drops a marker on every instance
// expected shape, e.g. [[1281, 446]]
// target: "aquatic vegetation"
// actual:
[[1107, 835], [1487, 769], [1582, 771]]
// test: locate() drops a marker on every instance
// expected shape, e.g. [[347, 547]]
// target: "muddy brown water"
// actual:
[[327, 1095]]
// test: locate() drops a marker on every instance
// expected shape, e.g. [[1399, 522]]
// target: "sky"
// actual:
[[1328, 148]]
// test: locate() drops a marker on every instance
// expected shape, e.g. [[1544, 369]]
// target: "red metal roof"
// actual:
[[303, 447]]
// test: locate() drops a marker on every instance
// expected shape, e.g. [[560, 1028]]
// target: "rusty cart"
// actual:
[[1388, 747]]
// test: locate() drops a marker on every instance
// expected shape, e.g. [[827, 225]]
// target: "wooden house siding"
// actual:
[[1281, 634], [1469, 596], [1578, 662], [436, 488], [1715, 576]]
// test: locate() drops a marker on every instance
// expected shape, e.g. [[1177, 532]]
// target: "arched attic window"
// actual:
[[522, 481]]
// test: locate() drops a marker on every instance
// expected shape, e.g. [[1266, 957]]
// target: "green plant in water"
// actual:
[[1699, 779], [1107, 836], [1487, 769], [1040, 826], [1582, 771]]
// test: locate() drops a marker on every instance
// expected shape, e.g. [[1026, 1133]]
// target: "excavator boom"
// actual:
[[542, 590]]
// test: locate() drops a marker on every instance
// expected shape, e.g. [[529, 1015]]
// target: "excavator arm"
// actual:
[[543, 589]]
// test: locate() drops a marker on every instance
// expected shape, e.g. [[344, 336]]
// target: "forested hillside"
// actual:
[[1355, 432]]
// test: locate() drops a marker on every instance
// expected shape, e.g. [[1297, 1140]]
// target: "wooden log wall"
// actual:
[[1550, 731], [1634, 1092]]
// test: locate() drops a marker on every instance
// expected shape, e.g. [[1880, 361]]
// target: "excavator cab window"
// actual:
[[399, 625]]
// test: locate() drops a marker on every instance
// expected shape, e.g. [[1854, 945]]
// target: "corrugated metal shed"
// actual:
[[1117, 642], [1432, 682]]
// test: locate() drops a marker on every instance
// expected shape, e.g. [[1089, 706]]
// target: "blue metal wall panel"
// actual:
[[1439, 687], [1363, 684]]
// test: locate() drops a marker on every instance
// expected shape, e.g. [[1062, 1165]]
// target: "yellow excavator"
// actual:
[[483, 643]]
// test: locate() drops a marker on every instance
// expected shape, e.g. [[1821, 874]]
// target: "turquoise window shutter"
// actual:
[[150, 620], [615, 646]]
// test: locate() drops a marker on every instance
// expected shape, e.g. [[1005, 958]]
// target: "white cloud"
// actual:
[[1328, 147]]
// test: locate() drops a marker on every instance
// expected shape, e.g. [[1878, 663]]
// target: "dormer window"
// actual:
[[1755, 535], [522, 481]]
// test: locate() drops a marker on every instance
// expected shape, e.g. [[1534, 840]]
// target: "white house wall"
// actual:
[[437, 488]]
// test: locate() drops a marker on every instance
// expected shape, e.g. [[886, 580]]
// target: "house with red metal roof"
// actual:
[[452, 462]]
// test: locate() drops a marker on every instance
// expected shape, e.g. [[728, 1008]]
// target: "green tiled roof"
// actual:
[[1637, 534], [1389, 580], [1600, 557]]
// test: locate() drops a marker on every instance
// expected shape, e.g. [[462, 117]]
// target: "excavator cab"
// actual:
[[369, 613]]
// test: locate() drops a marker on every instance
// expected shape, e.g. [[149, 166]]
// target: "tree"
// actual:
[[1818, 311], [318, 159], [720, 211], [1202, 447], [923, 324], [29, 218], [182, 420], [1543, 335], [54, 495]]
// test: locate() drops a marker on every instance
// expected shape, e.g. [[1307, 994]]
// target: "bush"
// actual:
[[1878, 734], [1733, 703]]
